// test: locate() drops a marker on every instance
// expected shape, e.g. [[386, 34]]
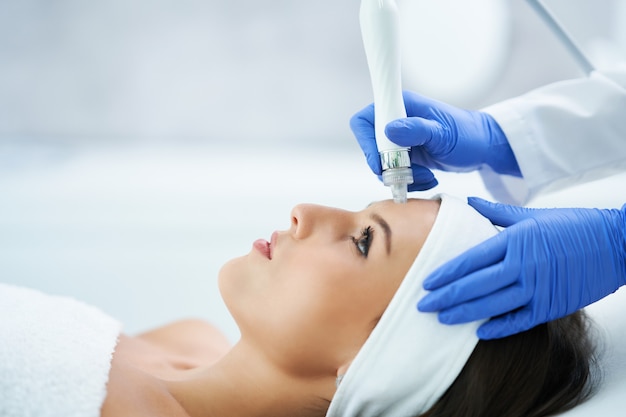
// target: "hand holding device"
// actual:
[[441, 137]]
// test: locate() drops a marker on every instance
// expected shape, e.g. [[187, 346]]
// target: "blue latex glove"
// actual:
[[546, 264], [441, 137]]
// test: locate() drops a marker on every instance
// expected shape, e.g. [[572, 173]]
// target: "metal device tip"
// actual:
[[399, 192]]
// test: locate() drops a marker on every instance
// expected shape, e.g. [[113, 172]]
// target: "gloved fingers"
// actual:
[[493, 305], [415, 131], [500, 214], [421, 106], [507, 324], [423, 178], [364, 117], [483, 255], [474, 286], [362, 126]]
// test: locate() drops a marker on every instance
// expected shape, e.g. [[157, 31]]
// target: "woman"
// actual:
[[322, 311], [305, 303]]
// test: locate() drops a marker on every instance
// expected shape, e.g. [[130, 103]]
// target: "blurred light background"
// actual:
[[144, 143]]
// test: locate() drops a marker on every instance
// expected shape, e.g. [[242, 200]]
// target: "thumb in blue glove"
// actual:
[[546, 264], [441, 137]]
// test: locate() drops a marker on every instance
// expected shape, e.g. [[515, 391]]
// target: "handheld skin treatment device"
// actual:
[[379, 30]]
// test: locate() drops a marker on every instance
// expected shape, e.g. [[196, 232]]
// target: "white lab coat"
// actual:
[[562, 134]]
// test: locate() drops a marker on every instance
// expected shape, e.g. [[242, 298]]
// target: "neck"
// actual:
[[245, 384]]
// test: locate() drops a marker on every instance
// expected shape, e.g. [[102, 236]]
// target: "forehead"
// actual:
[[409, 226], [414, 208], [411, 220]]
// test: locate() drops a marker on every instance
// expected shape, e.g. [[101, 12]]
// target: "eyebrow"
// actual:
[[385, 226]]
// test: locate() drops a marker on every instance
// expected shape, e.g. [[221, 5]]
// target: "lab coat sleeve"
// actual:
[[562, 134]]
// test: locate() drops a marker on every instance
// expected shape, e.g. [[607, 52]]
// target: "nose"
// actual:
[[302, 220], [308, 218]]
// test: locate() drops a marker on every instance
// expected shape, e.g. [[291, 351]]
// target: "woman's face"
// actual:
[[310, 296]]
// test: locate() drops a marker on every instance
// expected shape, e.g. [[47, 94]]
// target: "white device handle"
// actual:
[[380, 32]]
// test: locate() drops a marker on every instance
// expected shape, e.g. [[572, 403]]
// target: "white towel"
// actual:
[[55, 355]]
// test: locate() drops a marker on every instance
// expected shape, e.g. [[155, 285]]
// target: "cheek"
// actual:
[[311, 324], [312, 307], [328, 301], [332, 284], [317, 281]]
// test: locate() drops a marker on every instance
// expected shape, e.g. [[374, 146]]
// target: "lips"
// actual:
[[265, 247]]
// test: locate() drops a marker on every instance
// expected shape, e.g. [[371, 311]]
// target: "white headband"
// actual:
[[410, 359]]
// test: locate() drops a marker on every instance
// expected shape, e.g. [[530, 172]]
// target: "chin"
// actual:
[[225, 276], [232, 281]]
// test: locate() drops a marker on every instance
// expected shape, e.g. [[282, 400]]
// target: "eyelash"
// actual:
[[364, 241]]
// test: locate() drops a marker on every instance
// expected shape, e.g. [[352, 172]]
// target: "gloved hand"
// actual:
[[441, 137], [546, 264]]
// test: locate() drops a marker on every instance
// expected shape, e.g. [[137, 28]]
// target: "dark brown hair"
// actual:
[[539, 372]]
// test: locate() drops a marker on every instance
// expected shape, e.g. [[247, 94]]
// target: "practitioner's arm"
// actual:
[[558, 135], [562, 134]]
